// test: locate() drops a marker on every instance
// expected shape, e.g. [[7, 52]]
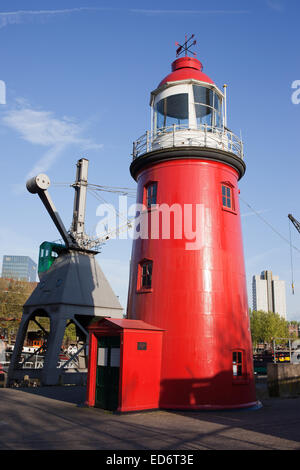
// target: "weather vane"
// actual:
[[186, 46]]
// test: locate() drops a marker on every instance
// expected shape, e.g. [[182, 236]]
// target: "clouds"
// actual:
[[187, 12], [275, 5], [43, 128], [27, 16], [24, 16]]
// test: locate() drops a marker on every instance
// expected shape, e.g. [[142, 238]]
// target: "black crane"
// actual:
[[295, 222], [297, 225]]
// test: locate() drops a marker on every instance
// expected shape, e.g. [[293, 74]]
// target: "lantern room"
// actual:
[[187, 102], [188, 110]]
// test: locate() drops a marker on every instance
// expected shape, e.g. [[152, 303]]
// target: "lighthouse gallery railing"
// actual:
[[180, 135]]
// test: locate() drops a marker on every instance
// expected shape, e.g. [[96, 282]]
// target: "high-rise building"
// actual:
[[21, 268], [268, 293]]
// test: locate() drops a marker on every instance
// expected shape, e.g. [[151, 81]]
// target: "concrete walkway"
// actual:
[[52, 418]]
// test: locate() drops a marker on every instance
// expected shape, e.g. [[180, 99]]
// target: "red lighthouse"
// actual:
[[187, 273]]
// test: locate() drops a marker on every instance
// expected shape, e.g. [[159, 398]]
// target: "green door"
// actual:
[[108, 368]]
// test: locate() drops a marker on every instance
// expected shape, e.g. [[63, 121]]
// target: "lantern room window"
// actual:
[[172, 110], [207, 107]]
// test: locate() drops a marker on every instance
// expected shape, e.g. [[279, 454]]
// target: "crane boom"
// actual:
[[295, 222], [75, 238], [297, 225], [39, 185]]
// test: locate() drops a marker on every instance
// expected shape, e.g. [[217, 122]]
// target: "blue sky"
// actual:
[[78, 78]]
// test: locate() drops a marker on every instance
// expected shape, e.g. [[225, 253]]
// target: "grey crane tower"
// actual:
[[73, 290]]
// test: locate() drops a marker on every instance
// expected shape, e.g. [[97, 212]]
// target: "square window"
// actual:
[[227, 197], [151, 194]]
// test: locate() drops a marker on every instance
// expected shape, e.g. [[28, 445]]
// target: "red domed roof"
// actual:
[[186, 68]]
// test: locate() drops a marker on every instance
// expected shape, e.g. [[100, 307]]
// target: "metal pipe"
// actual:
[[225, 104]]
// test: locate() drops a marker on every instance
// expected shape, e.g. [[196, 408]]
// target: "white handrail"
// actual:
[[180, 135]]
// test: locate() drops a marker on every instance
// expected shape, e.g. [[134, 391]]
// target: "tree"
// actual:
[[13, 295], [267, 325]]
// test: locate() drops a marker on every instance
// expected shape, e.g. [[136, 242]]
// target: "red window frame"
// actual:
[[145, 271], [228, 197], [239, 366]]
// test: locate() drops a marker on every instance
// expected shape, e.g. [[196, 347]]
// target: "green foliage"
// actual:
[[70, 334], [267, 325], [13, 295]]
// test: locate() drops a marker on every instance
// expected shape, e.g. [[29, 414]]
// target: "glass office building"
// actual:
[[21, 268]]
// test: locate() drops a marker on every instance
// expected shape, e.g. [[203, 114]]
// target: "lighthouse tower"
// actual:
[[187, 274]]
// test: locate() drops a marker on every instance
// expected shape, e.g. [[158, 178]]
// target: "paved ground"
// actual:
[[52, 418]]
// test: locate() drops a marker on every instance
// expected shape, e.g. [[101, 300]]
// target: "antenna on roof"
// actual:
[[186, 46]]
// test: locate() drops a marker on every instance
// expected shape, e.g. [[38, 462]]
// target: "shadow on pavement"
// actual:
[[72, 394]]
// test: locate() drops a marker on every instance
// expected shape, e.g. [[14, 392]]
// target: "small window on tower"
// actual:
[[237, 364], [228, 202], [227, 196], [145, 275], [151, 194]]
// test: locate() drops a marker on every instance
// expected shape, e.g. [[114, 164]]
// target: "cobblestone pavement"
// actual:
[[53, 418]]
